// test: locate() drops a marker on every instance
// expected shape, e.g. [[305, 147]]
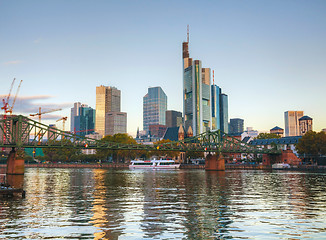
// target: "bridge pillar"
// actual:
[[15, 166], [214, 162]]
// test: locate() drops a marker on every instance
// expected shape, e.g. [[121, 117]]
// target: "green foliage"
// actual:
[[267, 136], [170, 154], [312, 143], [64, 154], [119, 155]]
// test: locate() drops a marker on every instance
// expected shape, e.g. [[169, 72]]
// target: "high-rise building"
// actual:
[[196, 94], [220, 117], [305, 124], [74, 112], [236, 126], [291, 119], [154, 107], [107, 100], [116, 122], [84, 122], [173, 118]]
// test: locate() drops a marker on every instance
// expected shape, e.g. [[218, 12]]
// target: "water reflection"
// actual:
[[182, 204]]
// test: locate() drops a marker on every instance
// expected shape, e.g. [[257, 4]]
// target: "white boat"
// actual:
[[154, 164], [280, 166]]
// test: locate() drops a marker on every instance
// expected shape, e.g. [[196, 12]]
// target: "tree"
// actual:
[[171, 154], [62, 153], [312, 143], [267, 136], [118, 155]]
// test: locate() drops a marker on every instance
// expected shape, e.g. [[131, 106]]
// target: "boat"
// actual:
[[154, 164], [280, 166]]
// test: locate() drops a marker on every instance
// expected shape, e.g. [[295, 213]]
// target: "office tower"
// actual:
[[291, 119], [74, 112], [236, 126], [196, 94], [220, 116], [157, 130], [107, 100], [154, 107], [52, 134], [84, 122], [173, 118], [305, 124], [116, 122]]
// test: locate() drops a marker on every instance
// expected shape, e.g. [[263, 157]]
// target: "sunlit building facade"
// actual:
[[291, 119], [154, 107], [116, 122], [107, 100], [196, 94], [220, 116], [305, 124]]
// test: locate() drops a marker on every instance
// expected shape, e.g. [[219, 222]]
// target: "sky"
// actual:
[[268, 56]]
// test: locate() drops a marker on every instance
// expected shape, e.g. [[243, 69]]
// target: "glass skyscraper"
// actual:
[[220, 110], [154, 107], [83, 119], [196, 94]]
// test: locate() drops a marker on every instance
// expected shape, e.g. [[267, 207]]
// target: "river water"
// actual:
[[161, 204]]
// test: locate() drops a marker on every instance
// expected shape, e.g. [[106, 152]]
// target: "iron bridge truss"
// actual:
[[22, 132]]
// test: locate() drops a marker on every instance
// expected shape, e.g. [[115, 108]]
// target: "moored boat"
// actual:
[[279, 166], [154, 164]]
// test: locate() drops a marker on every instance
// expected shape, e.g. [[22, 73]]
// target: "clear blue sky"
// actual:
[[268, 56]]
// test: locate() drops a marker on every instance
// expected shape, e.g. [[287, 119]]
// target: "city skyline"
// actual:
[[268, 57]]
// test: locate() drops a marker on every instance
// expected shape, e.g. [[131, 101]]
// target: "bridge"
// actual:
[[19, 132]]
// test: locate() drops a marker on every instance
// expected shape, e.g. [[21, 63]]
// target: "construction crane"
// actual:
[[6, 101], [40, 113], [64, 119], [13, 102]]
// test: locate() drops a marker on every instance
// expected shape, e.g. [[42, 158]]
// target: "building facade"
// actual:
[[236, 126], [84, 122], [154, 107], [74, 112], [116, 122], [277, 130], [157, 130], [305, 125], [196, 94], [173, 118], [107, 100], [291, 119]]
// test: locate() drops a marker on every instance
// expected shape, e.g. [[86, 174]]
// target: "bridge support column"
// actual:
[[15, 170], [15, 165], [214, 163]]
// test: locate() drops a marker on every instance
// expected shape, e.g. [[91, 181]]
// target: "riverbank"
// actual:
[[182, 166]]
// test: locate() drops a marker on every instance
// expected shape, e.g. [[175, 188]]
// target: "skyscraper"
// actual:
[[74, 112], [305, 124], [154, 107], [116, 122], [107, 100], [220, 116], [82, 119], [173, 118], [291, 119], [196, 94], [236, 126]]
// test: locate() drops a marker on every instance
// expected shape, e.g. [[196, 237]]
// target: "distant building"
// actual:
[[291, 119], [115, 122], [74, 113], [220, 117], [324, 130], [157, 130], [154, 107], [107, 100], [196, 94], [305, 124], [277, 130], [52, 134], [95, 136], [83, 119], [173, 118], [236, 126], [249, 133]]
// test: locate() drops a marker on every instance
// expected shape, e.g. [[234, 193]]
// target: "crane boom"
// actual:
[[40, 113], [12, 84], [13, 102]]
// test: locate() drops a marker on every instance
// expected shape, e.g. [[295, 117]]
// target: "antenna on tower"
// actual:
[[213, 78], [188, 33]]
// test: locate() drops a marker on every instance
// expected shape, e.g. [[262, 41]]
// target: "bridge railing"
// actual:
[[22, 132]]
